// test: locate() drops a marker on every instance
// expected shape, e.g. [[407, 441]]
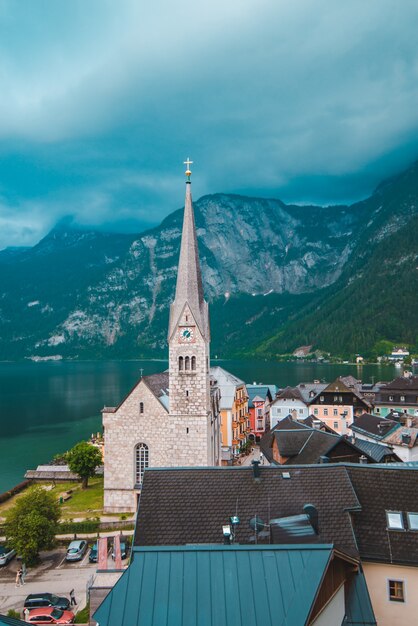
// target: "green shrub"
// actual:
[[13, 613]]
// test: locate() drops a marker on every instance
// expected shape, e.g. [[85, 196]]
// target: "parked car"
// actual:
[[39, 600], [76, 550], [93, 556], [123, 550], [49, 615], [6, 554]]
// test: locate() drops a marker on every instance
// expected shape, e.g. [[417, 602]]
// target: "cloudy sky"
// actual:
[[101, 102]]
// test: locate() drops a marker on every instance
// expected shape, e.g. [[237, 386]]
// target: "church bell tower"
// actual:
[[188, 333]]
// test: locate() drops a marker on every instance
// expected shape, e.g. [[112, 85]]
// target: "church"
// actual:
[[170, 419]]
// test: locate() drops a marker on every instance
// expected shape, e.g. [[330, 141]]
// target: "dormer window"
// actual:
[[395, 520], [390, 398]]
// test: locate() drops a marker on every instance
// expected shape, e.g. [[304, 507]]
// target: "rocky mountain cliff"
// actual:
[[267, 267]]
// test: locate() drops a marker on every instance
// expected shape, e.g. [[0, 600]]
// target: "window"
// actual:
[[325, 411], [390, 398], [181, 363], [394, 520], [141, 461], [335, 411], [412, 521], [335, 398], [396, 590], [187, 393], [187, 363], [402, 398], [141, 407], [377, 409], [321, 398], [193, 362], [300, 411], [315, 411], [278, 410], [336, 425]]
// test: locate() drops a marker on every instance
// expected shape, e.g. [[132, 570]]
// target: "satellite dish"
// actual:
[[256, 524]]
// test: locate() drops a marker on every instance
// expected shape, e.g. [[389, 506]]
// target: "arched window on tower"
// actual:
[[187, 363], [141, 462], [141, 407], [193, 362], [181, 363]]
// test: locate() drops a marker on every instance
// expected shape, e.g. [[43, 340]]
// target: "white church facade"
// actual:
[[169, 419]]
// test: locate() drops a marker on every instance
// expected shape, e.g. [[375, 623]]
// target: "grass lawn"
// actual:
[[83, 503]]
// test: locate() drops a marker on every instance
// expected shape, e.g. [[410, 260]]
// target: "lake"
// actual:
[[47, 407]]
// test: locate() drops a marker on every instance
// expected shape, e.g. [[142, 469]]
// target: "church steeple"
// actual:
[[189, 288]]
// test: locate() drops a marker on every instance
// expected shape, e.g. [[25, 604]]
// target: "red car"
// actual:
[[49, 615]]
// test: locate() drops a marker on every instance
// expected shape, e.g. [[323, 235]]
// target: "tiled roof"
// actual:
[[310, 390], [380, 489], [10, 621], [402, 383], [311, 420], [190, 505], [372, 425], [186, 506], [402, 436], [290, 393], [158, 383], [266, 440]]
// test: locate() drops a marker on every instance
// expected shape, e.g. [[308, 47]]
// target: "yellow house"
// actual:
[[234, 413]]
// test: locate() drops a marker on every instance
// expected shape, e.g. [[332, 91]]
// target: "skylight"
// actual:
[[412, 521], [394, 519]]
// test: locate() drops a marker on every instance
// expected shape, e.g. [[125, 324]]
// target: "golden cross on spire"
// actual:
[[188, 171]]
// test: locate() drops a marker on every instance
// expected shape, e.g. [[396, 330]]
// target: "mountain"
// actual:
[[277, 276]]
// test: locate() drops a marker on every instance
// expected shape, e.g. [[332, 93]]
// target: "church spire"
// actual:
[[189, 288]]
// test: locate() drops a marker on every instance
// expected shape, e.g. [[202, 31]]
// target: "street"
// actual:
[[52, 575]]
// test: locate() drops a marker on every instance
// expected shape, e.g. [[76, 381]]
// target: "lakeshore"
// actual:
[[48, 407]]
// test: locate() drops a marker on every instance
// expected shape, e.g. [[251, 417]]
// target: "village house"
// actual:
[[234, 417], [366, 511], [260, 398], [338, 404], [295, 443], [399, 395], [288, 401]]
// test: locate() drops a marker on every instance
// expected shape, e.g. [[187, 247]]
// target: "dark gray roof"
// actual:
[[10, 621], [372, 425], [158, 383], [403, 383], [190, 505]]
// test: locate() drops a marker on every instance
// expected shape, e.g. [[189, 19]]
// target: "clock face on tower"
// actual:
[[186, 334]]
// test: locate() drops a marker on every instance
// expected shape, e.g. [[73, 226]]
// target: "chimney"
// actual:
[[312, 512], [363, 460], [406, 438], [256, 470], [324, 459]]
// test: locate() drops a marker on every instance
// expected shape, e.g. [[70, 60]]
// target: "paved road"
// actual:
[[53, 575]]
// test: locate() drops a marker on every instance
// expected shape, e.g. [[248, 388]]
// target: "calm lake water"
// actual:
[[45, 408]]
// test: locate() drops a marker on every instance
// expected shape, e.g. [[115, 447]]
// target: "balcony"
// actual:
[[235, 424], [235, 442]]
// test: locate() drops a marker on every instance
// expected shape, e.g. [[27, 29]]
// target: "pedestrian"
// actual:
[[18, 578], [72, 598], [24, 572], [26, 613]]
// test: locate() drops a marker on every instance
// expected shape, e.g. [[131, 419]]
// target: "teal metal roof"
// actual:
[[217, 586], [10, 621]]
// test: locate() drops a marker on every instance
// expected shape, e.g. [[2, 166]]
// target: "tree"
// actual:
[[83, 460], [31, 524]]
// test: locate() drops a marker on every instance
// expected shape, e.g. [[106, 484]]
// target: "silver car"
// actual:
[[76, 550], [6, 555]]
